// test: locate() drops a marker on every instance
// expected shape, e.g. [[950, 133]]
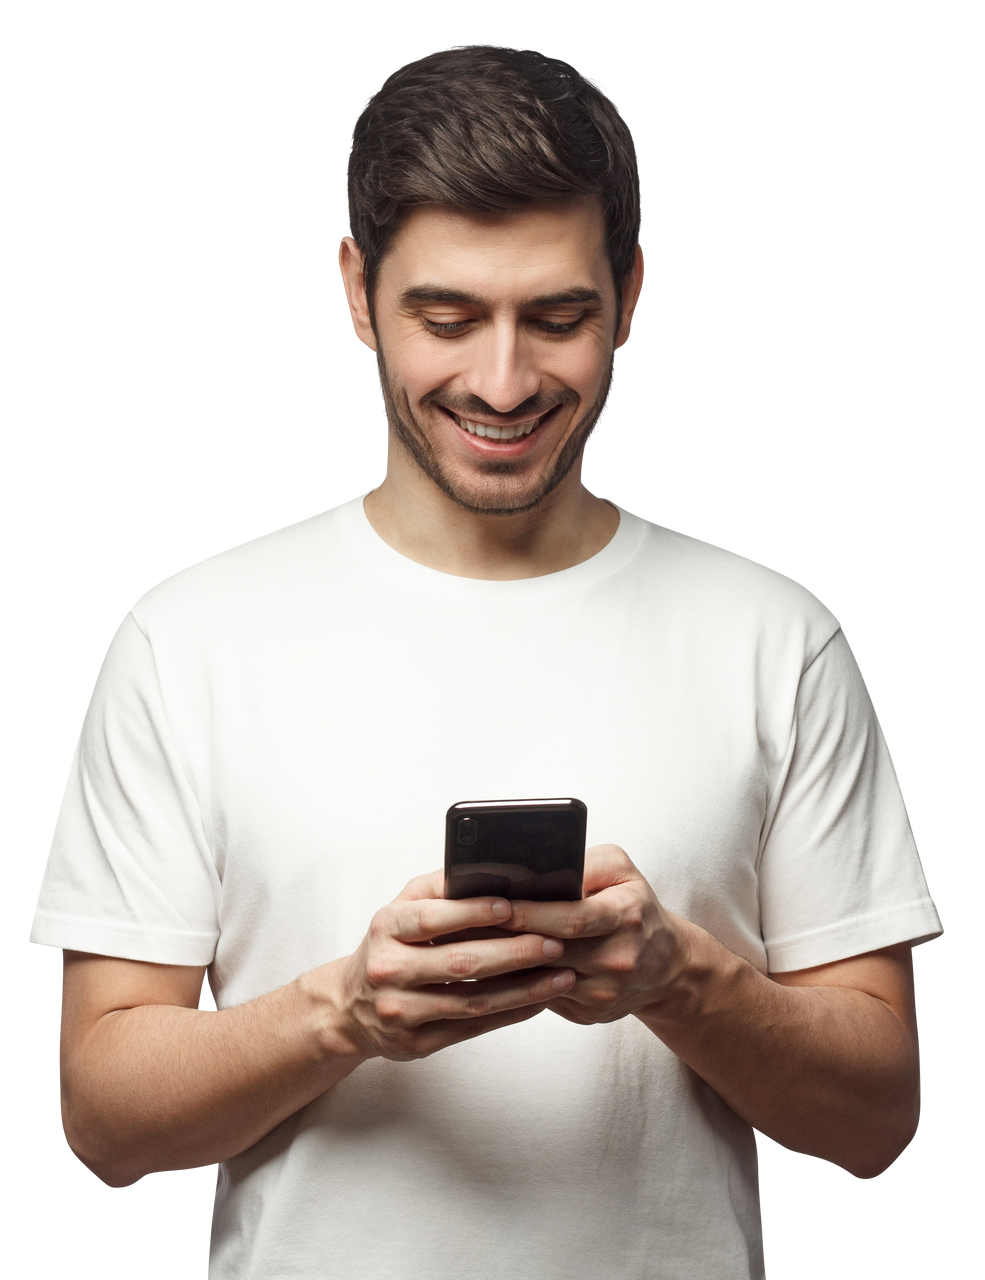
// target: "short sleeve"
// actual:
[[839, 871], [130, 873]]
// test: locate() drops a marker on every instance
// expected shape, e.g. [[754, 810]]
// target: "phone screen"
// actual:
[[533, 849]]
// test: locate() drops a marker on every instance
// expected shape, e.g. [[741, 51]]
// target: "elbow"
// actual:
[[100, 1154], [114, 1173], [869, 1165], [873, 1156], [886, 1126], [865, 1144], [113, 1176]]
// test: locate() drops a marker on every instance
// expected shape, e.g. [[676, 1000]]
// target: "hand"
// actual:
[[401, 995], [626, 949]]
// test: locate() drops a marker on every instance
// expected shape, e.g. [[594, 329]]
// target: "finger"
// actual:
[[457, 962], [590, 918], [431, 885], [471, 935], [462, 1000], [422, 919], [607, 865], [612, 886], [439, 1035]]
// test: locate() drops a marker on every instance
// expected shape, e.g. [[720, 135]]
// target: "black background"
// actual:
[[200, 385]]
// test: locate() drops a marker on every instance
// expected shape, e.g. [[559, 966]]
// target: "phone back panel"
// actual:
[[533, 849]]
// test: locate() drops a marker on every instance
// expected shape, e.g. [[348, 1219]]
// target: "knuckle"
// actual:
[[634, 914], [445, 1007], [476, 1004], [380, 971], [380, 924], [622, 962], [422, 917], [389, 1009], [462, 962], [459, 1007]]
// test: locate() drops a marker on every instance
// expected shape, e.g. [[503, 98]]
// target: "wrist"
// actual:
[[702, 977], [333, 1034]]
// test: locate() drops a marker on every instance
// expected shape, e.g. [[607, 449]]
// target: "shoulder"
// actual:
[[694, 580], [251, 580]]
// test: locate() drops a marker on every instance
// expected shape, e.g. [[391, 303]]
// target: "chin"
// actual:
[[500, 495]]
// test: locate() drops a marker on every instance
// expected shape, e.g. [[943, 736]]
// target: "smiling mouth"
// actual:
[[512, 432]]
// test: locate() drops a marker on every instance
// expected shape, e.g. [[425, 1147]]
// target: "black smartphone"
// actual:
[[533, 849]]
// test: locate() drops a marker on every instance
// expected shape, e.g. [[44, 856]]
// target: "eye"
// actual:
[[454, 328], [450, 329], [551, 327]]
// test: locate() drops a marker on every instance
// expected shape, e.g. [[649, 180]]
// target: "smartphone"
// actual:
[[533, 849]]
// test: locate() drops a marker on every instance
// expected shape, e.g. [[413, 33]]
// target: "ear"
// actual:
[[630, 296], [351, 264]]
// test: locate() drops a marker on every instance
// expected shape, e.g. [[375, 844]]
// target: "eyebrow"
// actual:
[[424, 293]]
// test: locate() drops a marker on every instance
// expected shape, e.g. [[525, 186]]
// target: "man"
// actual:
[[471, 1087]]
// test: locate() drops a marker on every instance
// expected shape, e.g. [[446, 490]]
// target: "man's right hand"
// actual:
[[152, 1082], [408, 991]]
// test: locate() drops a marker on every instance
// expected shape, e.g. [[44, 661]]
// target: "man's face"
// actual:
[[495, 337]]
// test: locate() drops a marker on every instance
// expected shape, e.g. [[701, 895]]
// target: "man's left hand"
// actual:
[[627, 949]]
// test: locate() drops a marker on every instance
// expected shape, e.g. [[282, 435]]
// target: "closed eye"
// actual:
[[451, 329], [457, 328]]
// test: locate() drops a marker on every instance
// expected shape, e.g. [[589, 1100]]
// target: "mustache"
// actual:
[[533, 407]]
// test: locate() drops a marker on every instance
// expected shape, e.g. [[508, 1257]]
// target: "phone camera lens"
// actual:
[[468, 830]]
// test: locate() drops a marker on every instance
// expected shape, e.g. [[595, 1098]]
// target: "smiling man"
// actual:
[[495, 336], [473, 1088]]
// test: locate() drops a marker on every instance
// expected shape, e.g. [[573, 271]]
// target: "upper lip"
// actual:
[[514, 420]]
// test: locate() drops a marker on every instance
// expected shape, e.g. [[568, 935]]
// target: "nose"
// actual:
[[501, 370]]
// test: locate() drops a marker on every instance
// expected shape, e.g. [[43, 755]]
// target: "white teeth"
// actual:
[[497, 433]]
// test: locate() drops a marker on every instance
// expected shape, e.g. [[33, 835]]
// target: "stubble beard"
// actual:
[[513, 494]]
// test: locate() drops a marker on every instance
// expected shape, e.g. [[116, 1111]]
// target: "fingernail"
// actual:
[[501, 909], [562, 981], [553, 948]]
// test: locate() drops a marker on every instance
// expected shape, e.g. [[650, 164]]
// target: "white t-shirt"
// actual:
[[273, 742]]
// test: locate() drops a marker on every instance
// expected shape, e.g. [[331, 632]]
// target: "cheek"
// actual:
[[421, 365], [580, 365]]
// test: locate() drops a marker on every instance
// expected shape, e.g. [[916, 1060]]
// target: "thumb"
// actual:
[[430, 886], [607, 865]]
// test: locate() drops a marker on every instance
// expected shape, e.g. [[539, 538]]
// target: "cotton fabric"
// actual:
[[271, 747]]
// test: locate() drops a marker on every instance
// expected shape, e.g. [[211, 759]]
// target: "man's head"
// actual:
[[490, 130], [494, 204]]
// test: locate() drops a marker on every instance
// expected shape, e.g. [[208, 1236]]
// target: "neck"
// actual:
[[416, 518]]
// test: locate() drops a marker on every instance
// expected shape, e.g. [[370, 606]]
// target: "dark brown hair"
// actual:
[[488, 129]]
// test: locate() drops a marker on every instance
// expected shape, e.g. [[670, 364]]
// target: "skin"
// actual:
[[499, 320], [823, 1061], [499, 359]]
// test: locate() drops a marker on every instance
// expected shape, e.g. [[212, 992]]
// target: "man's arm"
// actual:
[[823, 1061], [150, 1082]]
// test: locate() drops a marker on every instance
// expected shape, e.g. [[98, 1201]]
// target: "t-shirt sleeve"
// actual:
[[131, 873], [839, 871]]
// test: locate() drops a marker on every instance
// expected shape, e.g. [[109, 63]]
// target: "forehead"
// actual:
[[529, 251]]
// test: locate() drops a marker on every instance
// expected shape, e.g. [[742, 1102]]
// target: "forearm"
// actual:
[[163, 1087], [826, 1070]]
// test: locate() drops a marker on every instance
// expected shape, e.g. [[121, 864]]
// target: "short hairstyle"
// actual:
[[488, 129]]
